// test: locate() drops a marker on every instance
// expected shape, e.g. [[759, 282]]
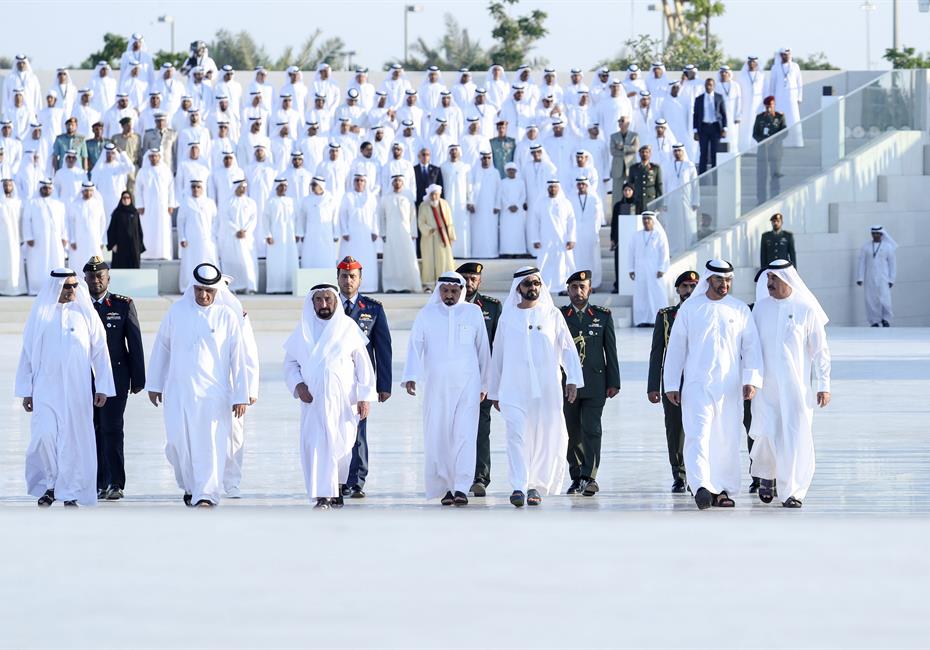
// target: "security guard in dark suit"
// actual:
[[369, 314], [655, 391], [491, 310], [592, 329], [124, 341]]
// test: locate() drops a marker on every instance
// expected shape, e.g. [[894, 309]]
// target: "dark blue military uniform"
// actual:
[[369, 314], [491, 310], [674, 431], [127, 358]]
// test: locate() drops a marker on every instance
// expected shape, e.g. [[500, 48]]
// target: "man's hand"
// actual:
[[27, 404], [823, 398], [155, 398], [536, 244], [363, 409], [749, 391], [240, 234], [345, 237], [141, 211], [470, 207], [723, 133], [252, 400], [890, 284], [374, 237], [135, 390], [496, 405], [674, 397], [612, 392], [303, 393], [571, 393], [859, 283], [182, 244], [64, 243], [632, 275], [659, 274], [74, 247], [513, 208], [384, 396], [697, 138], [569, 245], [30, 243], [238, 410], [269, 241], [482, 397], [99, 399], [411, 387], [654, 396]]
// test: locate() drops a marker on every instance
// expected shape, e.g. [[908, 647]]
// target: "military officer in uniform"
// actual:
[[646, 179], [768, 124], [491, 310], [655, 391], [592, 328], [124, 341], [369, 314], [777, 244]]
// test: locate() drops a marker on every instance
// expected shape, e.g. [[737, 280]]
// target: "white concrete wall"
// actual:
[[827, 256]]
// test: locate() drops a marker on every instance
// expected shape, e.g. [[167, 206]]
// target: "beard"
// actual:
[[529, 294], [449, 302], [325, 313]]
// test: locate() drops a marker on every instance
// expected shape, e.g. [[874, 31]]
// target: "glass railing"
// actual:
[[743, 181]]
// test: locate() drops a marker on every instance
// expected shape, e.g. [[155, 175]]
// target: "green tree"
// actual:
[[679, 52], [515, 36], [456, 49], [175, 58], [238, 50], [699, 13], [313, 52], [907, 57], [113, 47], [6, 63]]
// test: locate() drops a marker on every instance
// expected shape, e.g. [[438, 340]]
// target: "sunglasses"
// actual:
[[531, 283], [69, 287]]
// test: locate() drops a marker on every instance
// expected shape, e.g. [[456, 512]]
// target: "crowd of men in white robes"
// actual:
[[309, 172]]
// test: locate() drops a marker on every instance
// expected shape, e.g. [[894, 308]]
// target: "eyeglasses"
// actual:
[[69, 287], [531, 283]]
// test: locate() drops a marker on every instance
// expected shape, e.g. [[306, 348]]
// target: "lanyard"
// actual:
[[875, 249]]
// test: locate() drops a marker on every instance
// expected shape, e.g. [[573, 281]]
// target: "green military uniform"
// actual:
[[502, 150], [777, 246], [768, 156], [646, 180], [592, 329], [491, 310], [674, 430]]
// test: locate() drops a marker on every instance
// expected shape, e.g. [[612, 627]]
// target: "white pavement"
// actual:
[[394, 571]]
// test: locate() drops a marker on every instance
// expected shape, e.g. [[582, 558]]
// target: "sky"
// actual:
[[374, 28]]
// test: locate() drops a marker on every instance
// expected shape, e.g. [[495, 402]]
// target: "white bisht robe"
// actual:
[[155, 196], [752, 91], [456, 190], [11, 263], [877, 269], [62, 345], [786, 84], [87, 230], [318, 226], [397, 219], [110, 179], [531, 348], [237, 256], [358, 221], [715, 344], [648, 255], [589, 217], [485, 188], [198, 364], [551, 223], [281, 256], [44, 224], [682, 200], [197, 227], [794, 350], [448, 356], [331, 358], [512, 222]]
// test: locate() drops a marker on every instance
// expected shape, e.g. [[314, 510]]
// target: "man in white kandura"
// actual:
[[196, 232], [589, 217], [155, 200], [791, 325], [44, 234], [237, 222], [787, 85], [326, 367], [551, 229], [397, 218], [279, 230], [64, 351], [532, 343], [715, 344], [876, 273], [87, 226], [648, 261], [198, 368], [318, 227], [449, 356]]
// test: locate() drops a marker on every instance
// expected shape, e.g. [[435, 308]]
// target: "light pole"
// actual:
[[896, 24], [170, 20], [409, 9], [868, 7]]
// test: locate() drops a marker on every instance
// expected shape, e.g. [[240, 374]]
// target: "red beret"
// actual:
[[349, 263], [769, 100]]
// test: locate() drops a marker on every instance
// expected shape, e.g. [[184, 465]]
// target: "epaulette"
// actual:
[[603, 310], [118, 296], [490, 299], [367, 300], [667, 310]]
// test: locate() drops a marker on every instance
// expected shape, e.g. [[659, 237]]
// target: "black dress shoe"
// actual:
[[337, 502], [517, 498], [703, 498], [884, 324], [355, 492], [575, 487], [188, 500], [791, 502], [74, 504], [591, 488], [322, 503], [114, 494], [345, 490], [447, 500], [533, 497], [678, 487], [754, 486], [478, 489], [460, 499], [46, 499], [101, 493]]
